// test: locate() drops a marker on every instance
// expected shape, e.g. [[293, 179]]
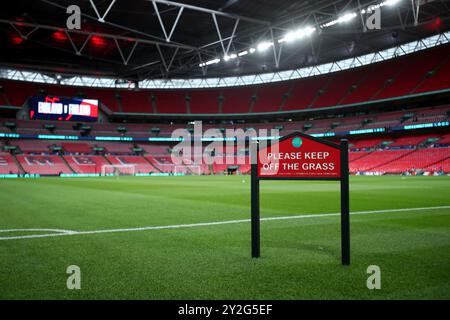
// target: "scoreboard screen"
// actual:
[[63, 109]]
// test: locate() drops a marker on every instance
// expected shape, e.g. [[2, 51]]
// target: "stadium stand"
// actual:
[[115, 147], [384, 153], [43, 164], [444, 139], [105, 96], [237, 100], [369, 84], [270, 98], [303, 93], [376, 159], [86, 164], [142, 165], [136, 101], [373, 120], [437, 80], [409, 78], [155, 149], [3, 99], [17, 92], [8, 164], [337, 88], [76, 147], [161, 163], [389, 79], [365, 143], [418, 160], [441, 165], [204, 101], [170, 102], [411, 141], [32, 146]]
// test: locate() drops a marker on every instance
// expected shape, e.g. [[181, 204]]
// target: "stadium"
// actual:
[[127, 136]]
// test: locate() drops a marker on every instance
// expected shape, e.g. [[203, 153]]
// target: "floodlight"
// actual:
[[347, 17], [263, 46], [391, 2], [290, 36]]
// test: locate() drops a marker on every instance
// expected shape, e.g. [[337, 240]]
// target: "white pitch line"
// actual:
[[203, 224], [49, 230]]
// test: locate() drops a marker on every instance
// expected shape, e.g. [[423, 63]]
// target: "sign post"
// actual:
[[255, 212], [302, 157], [345, 205]]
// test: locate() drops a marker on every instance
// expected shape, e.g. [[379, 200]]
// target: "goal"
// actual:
[[118, 170], [189, 170]]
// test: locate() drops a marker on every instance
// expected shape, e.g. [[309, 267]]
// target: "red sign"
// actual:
[[300, 156]]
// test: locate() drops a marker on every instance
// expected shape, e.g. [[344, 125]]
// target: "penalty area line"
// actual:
[[60, 233]]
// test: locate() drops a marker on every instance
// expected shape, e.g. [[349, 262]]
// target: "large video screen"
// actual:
[[63, 109]]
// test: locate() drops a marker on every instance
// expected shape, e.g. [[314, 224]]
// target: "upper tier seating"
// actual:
[[16, 93], [369, 84], [204, 101], [105, 96], [439, 80], [170, 102], [3, 99], [270, 98], [237, 100], [136, 101], [409, 78], [339, 86], [303, 92], [389, 79]]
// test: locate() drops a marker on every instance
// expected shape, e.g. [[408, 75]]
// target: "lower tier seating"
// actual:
[[391, 155], [8, 164], [141, 164], [400, 161], [85, 163], [44, 165]]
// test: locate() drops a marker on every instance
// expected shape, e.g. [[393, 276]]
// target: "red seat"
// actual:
[[44, 165]]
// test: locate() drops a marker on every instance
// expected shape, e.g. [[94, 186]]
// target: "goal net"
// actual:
[[118, 170], [190, 170]]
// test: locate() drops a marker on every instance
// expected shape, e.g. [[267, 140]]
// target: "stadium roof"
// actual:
[[158, 39]]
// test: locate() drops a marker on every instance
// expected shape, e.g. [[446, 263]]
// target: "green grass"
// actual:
[[300, 257]]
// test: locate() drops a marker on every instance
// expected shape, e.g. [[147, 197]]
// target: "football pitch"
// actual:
[[189, 238]]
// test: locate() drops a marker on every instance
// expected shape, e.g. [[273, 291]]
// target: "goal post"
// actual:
[[118, 170]]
